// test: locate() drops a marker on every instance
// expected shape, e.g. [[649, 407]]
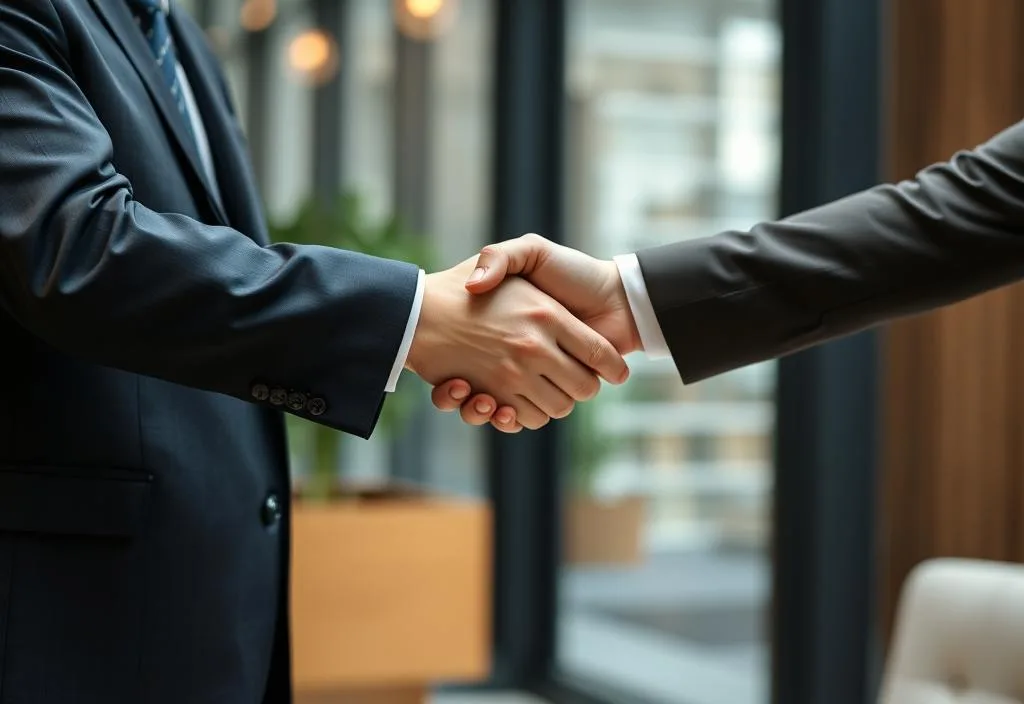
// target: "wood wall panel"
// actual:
[[953, 456]]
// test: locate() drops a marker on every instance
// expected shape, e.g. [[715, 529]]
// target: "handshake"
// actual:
[[530, 326]]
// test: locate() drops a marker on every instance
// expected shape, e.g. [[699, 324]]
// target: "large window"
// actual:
[[459, 193], [673, 133], [672, 130]]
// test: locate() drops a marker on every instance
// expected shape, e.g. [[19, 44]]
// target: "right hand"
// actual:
[[591, 289], [515, 343]]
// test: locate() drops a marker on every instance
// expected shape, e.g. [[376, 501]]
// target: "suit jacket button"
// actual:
[[260, 392], [316, 406], [296, 400], [270, 512], [278, 396]]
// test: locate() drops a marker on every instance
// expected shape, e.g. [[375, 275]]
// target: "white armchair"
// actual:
[[959, 636]]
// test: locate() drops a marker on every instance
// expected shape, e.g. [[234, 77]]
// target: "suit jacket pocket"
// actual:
[[73, 565], [72, 501]]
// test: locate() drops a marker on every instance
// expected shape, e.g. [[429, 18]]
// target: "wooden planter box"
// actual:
[[391, 593], [604, 531]]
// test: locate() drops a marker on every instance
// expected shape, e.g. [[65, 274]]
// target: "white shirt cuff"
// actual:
[[410, 332], [651, 336]]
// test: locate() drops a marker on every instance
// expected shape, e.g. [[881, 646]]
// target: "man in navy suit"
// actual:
[[152, 339]]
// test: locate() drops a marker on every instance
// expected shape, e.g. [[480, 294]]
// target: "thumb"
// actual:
[[510, 258]]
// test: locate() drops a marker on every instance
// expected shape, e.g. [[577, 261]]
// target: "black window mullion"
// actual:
[[523, 472]]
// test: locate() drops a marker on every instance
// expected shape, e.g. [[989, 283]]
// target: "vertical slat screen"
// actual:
[[953, 455]]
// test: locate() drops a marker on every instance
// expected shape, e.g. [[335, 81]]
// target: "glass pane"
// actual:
[[457, 137], [459, 190], [368, 128], [367, 148], [674, 133]]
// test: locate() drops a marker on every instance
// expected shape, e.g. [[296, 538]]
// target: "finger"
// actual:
[[511, 428], [529, 414], [497, 261], [478, 410], [450, 395], [590, 349], [578, 382], [504, 419], [549, 398]]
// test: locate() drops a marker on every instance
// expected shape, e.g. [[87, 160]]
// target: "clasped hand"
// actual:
[[530, 325]]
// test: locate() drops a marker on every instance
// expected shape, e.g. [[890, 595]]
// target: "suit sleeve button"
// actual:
[[296, 400], [278, 396], [316, 406], [270, 512], [260, 392]]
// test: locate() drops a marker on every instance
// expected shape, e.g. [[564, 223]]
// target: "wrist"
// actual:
[[413, 361], [643, 318], [441, 291], [632, 341]]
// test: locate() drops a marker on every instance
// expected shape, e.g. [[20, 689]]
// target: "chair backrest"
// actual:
[[959, 636]]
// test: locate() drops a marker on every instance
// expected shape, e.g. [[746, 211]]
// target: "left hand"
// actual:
[[481, 409]]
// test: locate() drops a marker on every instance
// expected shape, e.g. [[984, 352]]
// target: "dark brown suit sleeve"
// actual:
[[955, 230]]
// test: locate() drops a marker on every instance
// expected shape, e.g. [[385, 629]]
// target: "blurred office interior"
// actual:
[[736, 541]]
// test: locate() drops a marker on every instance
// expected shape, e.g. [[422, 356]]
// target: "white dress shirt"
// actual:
[[203, 144]]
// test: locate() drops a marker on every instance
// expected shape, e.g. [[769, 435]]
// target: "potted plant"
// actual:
[[598, 529], [390, 586]]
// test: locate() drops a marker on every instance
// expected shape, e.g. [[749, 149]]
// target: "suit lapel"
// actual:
[[120, 23], [239, 192]]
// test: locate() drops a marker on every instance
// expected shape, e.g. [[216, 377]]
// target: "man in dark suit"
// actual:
[[152, 339], [718, 303]]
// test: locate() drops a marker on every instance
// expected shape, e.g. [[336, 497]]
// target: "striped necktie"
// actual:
[[151, 16]]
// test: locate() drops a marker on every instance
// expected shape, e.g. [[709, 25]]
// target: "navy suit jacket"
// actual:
[[151, 340]]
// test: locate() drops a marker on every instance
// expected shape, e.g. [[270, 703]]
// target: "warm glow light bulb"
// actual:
[[423, 9], [425, 20], [313, 55], [257, 15]]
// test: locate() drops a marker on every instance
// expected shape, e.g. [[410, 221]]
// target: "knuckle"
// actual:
[[541, 315], [528, 344], [597, 352]]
